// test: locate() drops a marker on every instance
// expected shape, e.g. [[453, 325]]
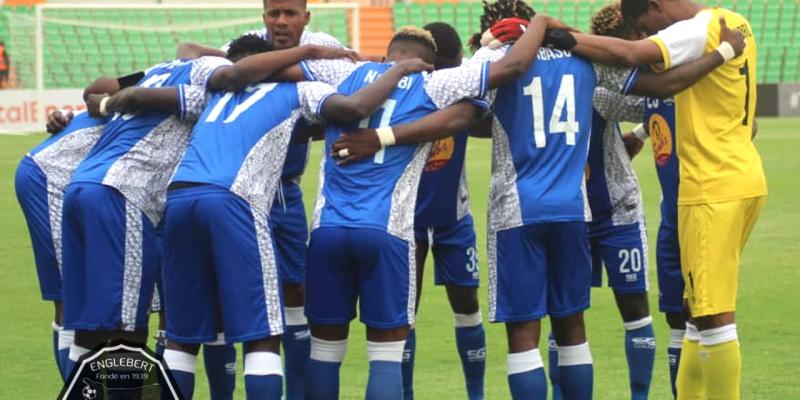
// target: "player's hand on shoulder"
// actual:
[[633, 146], [507, 30], [412, 65], [330, 53], [734, 37], [93, 104], [355, 146], [58, 120]]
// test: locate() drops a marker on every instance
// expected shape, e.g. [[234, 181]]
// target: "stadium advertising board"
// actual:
[[25, 110]]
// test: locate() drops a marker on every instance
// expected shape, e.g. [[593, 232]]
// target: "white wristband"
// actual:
[[386, 136], [640, 133], [103, 103], [726, 51]]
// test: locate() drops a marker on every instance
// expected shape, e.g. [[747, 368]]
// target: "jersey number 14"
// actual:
[[564, 100]]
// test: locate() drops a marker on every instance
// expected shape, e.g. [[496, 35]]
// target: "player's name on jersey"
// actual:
[[404, 83], [546, 54]]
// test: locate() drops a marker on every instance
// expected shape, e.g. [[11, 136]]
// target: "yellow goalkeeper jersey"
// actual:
[[718, 160]]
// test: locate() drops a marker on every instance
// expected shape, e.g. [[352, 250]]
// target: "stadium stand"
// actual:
[[117, 51]]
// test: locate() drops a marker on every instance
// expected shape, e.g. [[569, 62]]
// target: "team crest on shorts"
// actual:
[[120, 371]]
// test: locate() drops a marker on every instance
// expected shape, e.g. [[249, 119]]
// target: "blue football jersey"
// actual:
[[660, 120], [612, 185], [541, 133], [381, 192], [59, 155], [443, 198], [138, 152], [240, 141]]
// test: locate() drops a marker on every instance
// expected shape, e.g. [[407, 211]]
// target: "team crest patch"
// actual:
[[441, 154], [120, 371]]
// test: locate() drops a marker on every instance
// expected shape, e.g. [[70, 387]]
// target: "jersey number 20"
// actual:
[[564, 99]]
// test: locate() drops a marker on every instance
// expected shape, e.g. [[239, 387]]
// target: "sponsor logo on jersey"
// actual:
[[661, 136], [441, 154]]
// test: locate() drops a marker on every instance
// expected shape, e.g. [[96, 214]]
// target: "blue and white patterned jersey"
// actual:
[[659, 116], [443, 197], [241, 139], [612, 186], [541, 131], [381, 192], [137, 153], [59, 155], [297, 157]]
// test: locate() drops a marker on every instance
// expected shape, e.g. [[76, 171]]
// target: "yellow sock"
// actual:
[[690, 383], [722, 369]]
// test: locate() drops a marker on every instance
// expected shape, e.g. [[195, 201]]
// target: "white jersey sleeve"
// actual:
[[204, 67], [332, 72], [320, 39], [683, 41], [448, 86], [192, 100], [312, 97], [616, 107], [485, 54]]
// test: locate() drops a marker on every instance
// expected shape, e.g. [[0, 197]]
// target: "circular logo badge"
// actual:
[[441, 154], [661, 136]]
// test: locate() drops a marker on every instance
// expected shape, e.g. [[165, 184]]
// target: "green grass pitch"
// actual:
[[768, 295]]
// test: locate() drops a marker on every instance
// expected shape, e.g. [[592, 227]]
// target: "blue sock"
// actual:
[[263, 387], [640, 350], [185, 382], [220, 362], [263, 375], [471, 343], [296, 347], [526, 379], [674, 356], [575, 371], [385, 381], [408, 365], [75, 352], [322, 380], [57, 352], [552, 365], [66, 338]]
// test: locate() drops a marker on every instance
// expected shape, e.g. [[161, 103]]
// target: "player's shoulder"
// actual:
[[319, 39]]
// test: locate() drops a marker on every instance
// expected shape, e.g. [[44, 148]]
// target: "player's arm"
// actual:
[[678, 79], [481, 128], [258, 67], [166, 99], [614, 51], [58, 120], [617, 107], [447, 122], [361, 104], [193, 50], [519, 59]]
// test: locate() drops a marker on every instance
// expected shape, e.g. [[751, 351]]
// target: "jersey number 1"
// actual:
[[386, 119], [564, 99]]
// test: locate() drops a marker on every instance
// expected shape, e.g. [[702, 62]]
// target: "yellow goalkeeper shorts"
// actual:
[[712, 237]]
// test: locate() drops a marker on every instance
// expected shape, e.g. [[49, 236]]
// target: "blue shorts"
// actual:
[[110, 260], [368, 266], [455, 253], [538, 270], [42, 211], [668, 264], [219, 268], [623, 250], [287, 219]]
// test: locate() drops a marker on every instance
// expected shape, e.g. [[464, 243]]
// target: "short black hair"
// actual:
[[633, 9], [247, 45], [448, 43], [498, 10]]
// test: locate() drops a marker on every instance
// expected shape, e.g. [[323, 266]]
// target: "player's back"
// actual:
[[240, 141], [372, 193], [541, 142]]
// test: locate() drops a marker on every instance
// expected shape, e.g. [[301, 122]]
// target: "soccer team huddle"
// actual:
[[178, 192]]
